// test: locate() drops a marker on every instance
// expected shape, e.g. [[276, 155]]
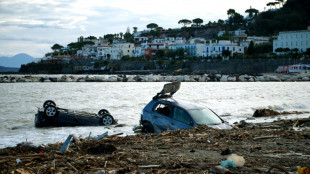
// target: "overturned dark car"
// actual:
[[165, 113], [52, 116]]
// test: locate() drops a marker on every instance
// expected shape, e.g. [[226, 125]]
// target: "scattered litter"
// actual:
[[239, 160], [102, 136], [18, 161], [100, 171], [228, 164], [220, 170], [66, 144], [303, 170]]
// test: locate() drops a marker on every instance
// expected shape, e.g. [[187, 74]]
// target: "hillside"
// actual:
[[295, 15], [16, 61]]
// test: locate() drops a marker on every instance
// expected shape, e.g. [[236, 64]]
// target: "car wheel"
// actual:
[[50, 111], [103, 112], [107, 120], [49, 102], [147, 128]]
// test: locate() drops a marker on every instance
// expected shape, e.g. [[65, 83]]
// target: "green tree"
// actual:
[[152, 26], [220, 22], [231, 12], [121, 35], [56, 47], [197, 21], [91, 38], [185, 22], [128, 37], [160, 53], [251, 49], [135, 29], [252, 11], [308, 52], [226, 53]]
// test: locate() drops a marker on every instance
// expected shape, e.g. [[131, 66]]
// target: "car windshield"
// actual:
[[204, 116]]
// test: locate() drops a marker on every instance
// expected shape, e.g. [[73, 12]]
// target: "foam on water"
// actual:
[[234, 101]]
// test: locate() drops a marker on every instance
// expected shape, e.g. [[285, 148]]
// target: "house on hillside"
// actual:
[[190, 49], [293, 39], [214, 49]]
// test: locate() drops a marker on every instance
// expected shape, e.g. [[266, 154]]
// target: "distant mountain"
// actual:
[[6, 69], [16, 61]]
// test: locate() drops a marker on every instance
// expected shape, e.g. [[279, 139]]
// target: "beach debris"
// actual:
[[66, 144], [170, 152], [226, 151], [303, 170], [238, 160], [102, 149], [18, 161], [220, 170], [277, 167], [100, 172], [270, 112], [228, 164], [101, 136]]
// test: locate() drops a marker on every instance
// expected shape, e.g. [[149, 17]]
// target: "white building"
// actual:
[[190, 49], [215, 49], [117, 51], [293, 39]]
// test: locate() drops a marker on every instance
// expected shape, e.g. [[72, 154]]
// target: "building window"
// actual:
[[296, 43], [286, 43]]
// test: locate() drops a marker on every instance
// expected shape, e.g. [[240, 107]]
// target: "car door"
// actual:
[[162, 117], [181, 119]]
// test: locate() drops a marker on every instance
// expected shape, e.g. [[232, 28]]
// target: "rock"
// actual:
[[112, 79], [265, 113], [187, 78], [202, 79], [274, 79], [180, 78], [168, 78], [305, 79], [224, 78], [231, 79]]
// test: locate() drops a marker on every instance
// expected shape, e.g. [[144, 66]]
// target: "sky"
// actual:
[[34, 26]]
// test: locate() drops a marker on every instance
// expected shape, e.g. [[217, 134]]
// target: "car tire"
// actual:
[[107, 120], [48, 102], [50, 111], [103, 112], [147, 128]]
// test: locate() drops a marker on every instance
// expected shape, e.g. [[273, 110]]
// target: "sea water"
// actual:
[[234, 102]]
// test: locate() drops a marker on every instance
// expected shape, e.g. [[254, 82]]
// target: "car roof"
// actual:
[[181, 103]]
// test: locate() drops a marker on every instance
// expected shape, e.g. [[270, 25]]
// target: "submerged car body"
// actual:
[[165, 113], [52, 116]]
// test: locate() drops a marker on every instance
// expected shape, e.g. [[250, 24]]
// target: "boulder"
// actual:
[[265, 113], [112, 79], [274, 79], [224, 78], [231, 79]]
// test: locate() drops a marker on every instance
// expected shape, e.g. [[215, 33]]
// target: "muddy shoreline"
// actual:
[[275, 146]]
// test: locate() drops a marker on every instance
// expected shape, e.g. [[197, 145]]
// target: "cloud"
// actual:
[[41, 23]]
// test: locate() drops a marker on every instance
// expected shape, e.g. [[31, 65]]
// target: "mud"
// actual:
[[275, 147]]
